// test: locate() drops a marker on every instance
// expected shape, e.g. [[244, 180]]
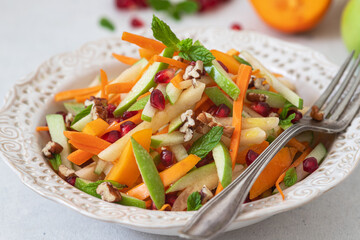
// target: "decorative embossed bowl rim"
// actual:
[[32, 98]]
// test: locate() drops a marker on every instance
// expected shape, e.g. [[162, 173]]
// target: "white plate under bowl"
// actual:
[[32, 98]]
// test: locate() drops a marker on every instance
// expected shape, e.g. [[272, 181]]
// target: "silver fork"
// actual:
[[217, 214]]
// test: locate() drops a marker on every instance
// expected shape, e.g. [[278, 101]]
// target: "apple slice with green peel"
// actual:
[[149, 111], [200, 176], [175, 124], [172, 93], [139, 104], [265, 124], [81, 119], [167, 139], [156, 157], [149, 174], [144, 84], [179, 152], [222, 79], [57, 127], [223, 163], [274, 100], [74, 107], [218, 97]]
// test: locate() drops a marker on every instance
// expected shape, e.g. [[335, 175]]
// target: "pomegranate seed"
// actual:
[[298, 115], [157, 99], [274, 110], [112, 136], [110, 110], [212, 110], [164, 76], [128, 114], [192, 63], [250, 157], [136, 23], [166, 157], [310, 165], [126, 127], [236, 27], [206, 160], [223, 66], [170, 198], [111, 120], [153, 207], [222, 111], [247, 199], [261, 108], [141, 3], [62, 113], [125, 4], [71, 180]]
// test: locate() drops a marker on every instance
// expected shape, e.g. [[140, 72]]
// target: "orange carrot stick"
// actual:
[[122, 87], [170, 61], [41, 128], [82, 98], [94, 150], [168, 176], [71, 94], [296, 144], [146, 53], [227, 60], [86, 139], [164, 130], [177, 79], [203, 99], [296, 163], [104, 82], [233, 52], [143, 42], [165, 207], [125, 59], [79, 157]]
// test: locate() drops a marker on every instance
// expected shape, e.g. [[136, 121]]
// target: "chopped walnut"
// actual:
[[194, 72], [211, 121], [205, 194], [259, 84], [316, 114], [68, 120], [65, 172], [51, 148], [108, 192], [186, 128], [99, 107], [256, 97]]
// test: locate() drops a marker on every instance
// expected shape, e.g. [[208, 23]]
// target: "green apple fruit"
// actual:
[[350, 26], [223, 163]]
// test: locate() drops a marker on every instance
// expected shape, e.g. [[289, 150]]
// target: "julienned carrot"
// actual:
[[41, 128], [170, 61], [269, 175], [168, 176], [296, 163], [115, 99], [115, 126], [125, 59], [259, 148], [143, 42], [296, 144], [146, 53], [71, 94], [233, 52], [177, 79], [79, 157], [243, 78], [82, 98], [164, 130], [125, 170], [227, 60], [104, 83], [87, 140], [203, 99], [122, 87], [165, 207]]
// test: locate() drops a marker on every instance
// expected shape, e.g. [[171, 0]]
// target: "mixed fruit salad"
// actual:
[[177, 126]]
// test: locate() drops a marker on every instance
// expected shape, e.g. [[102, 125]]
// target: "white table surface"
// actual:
[[33, 31]]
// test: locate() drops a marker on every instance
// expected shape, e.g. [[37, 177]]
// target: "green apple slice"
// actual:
[[144, 84], [175, 124], [74, 107], [179, 152], [172, 93], [57, 127], [79, 125], [149, 174], [167, 139], [139, 104], [218, 97], [222, 79], [223, 163], [274, 100]]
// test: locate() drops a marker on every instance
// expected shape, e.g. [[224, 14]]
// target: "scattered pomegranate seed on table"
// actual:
[[157, 99], [136, 23], [166, 158], [236, 27], [250, 157], [310, 165], [164, 76]]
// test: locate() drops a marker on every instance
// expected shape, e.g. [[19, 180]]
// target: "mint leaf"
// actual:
[[55, 162], [207, 142], [285, 110], [286, 123], [82, 114], [242, 61], [185, 45], [159, 4], [106, 23], [197, 43], [194, 202], [290, 177], [163, 33], [90, 188], [201, 53]]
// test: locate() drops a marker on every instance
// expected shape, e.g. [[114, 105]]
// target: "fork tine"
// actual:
[[341, 107], [342, 87], [333, 83]]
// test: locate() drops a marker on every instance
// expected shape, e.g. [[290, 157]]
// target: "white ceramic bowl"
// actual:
[[32, 98]]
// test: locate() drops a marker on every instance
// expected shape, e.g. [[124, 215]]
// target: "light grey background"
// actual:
[[33, 31]]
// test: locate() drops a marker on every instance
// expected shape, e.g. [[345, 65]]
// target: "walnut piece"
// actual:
[[211, 121], [65, 172], [259, 84], [194, 72], [316, 114], [256, 97], [205, 194], [68, 120], [189, 122], [108, 192], [99, 107], [51, 148]]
